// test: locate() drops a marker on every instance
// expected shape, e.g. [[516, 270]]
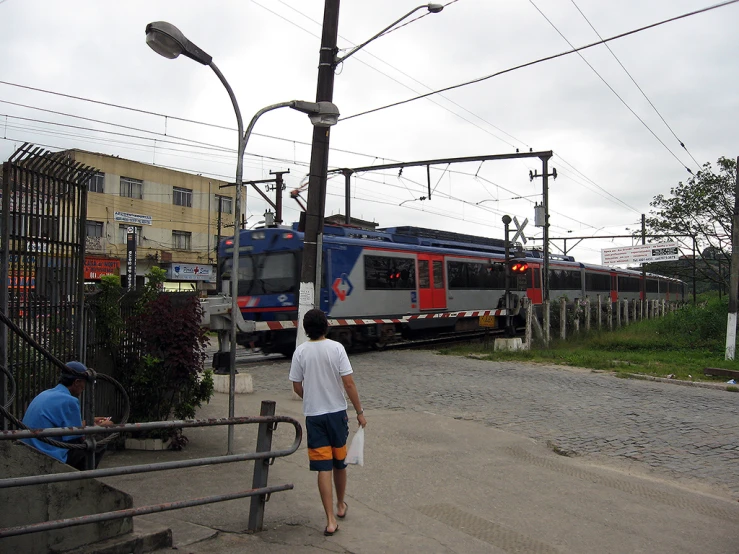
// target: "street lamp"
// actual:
[[168, 41]]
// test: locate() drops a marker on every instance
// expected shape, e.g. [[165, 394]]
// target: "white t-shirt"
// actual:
[[319, 365]]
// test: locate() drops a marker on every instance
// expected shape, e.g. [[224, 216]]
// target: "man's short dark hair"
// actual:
[[315, 324]]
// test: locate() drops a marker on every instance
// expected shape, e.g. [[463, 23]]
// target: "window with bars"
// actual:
[[225, 203], [182, 197], [94, 228], [96, 183], [123, 232], [181, 240], [132, 188]]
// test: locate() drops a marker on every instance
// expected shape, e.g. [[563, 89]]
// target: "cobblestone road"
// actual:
[[676, 431]]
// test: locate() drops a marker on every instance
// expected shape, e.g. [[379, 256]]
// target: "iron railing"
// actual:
[[260, 492]]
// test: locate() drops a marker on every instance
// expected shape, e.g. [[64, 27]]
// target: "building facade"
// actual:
[[175, 217]]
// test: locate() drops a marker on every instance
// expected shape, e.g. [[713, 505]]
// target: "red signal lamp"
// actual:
[[519, 267]]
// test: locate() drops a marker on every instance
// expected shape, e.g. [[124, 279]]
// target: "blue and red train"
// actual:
[[380, 285]]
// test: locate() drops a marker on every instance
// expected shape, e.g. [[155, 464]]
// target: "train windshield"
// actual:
[[272, 273]]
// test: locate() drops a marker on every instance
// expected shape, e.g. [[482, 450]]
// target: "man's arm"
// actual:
[[351, 391], [298, 388]]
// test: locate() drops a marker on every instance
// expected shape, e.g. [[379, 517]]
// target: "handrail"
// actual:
[[144, 468], [267, 425]]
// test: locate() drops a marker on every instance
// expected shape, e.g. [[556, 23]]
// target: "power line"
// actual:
[[368, 53], [636, 84], [541, 60], [647, 127]]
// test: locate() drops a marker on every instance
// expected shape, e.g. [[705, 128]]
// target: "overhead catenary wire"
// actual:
[[644, 123], [541, 60], [636, 84]]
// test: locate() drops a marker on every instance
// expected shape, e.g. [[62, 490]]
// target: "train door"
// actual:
[[614, 287], [431, 289]]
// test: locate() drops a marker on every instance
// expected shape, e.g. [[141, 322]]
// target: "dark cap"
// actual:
[[78, 369]]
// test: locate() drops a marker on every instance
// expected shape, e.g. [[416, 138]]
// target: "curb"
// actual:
[[701, 384]]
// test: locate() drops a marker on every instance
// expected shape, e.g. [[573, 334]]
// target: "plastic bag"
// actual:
[[355, 455]]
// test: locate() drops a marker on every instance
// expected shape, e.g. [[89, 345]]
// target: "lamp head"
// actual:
[[435, 8], [322, 114], [168, 41]]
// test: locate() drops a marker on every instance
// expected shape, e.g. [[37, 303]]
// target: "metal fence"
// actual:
[[42, 247], [263, 456]]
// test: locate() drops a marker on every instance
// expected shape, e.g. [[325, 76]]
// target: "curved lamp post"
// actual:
[[168, 41], [432, 8]]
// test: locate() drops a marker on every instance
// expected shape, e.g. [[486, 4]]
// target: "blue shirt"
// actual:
[[53, 408]]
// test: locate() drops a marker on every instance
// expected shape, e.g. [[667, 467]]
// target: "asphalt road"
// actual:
[[682, 432]]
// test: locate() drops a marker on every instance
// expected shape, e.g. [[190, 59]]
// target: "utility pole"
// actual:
[[318, 167], [734, 275], [643, 267], [347, 195], [545, 202], [218, 241], [279, 187]]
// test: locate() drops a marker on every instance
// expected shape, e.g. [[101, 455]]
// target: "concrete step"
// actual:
[[145, 537]]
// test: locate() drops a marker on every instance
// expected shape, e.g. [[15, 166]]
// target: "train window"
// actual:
[[652, 285], [438, 274], [424, 281], [629, 284], [385, 272], [597, 282], [563, 279], [475, 276], [276, 273]]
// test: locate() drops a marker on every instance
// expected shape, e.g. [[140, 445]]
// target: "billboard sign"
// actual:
[[641, 253]]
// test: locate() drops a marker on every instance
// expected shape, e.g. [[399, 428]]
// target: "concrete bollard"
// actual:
[[609, 314]]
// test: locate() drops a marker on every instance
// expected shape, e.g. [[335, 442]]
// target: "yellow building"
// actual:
[[174, 215]]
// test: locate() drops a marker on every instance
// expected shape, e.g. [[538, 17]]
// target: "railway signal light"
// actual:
[[518, 266]]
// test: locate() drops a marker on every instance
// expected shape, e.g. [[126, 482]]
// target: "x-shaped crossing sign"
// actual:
[[519, 230]]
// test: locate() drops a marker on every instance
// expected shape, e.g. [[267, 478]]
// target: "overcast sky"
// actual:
[[610, 165]]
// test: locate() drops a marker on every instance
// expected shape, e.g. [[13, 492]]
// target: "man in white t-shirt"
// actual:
[[320, 373]]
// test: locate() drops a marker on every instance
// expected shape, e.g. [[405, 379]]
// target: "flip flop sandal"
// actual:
[[346, 509], [328, 533]]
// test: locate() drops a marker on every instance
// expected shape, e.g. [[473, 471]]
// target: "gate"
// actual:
[[42, 247]]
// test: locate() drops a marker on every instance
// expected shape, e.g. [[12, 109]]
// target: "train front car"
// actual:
[[269, 280]]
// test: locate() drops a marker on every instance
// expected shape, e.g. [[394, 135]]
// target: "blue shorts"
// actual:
[[327, 435]]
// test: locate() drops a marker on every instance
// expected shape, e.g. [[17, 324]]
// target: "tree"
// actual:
[[701, 209]]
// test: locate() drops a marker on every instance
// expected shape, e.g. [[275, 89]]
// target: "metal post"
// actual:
[[231, 343], [694, 277], [347, 195], [643, 288], [506, 222], [318, 167], [7, 190], [261, 468]]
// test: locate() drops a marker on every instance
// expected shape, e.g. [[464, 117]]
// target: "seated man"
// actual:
[[60, 407]]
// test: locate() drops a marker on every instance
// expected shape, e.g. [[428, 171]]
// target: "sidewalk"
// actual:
[[429, 484]]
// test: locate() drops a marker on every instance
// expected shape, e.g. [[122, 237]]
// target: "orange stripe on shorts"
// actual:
[[320, 453], [340, 453]]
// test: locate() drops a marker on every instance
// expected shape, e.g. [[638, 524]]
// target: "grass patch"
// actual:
[[682, 344]]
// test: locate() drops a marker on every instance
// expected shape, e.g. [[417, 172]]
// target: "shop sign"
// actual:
[[95, 268], [190, 272], [132, 218]]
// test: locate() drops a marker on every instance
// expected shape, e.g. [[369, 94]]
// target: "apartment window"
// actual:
[[132, 188], [181, 240], [123, 232], [182, 197], [96, 183], [94, 228], [225, 203]]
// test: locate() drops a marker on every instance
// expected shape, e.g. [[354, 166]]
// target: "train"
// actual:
[[381, 285]]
